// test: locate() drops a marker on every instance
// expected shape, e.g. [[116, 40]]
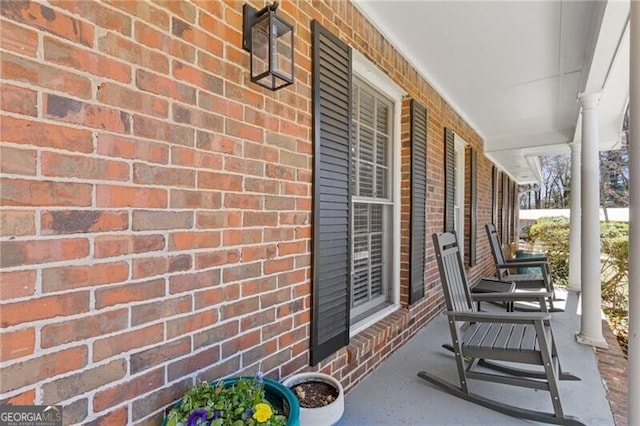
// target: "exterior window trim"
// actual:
[[366, 71], [459, 151]]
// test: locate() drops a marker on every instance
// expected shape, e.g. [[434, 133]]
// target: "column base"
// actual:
[[597, 342]]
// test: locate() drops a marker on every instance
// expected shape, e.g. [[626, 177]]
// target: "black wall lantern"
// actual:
[[269, 39]]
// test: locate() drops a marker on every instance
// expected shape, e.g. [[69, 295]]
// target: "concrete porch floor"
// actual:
[[394, 395]]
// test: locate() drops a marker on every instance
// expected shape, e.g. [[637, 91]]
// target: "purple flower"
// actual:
[[217, 415], [259, 378], [196, 417], [247, 414]]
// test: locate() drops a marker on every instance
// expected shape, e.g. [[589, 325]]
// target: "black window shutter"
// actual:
[[515, 199], [473, 219], [449, 181], [505, 210], [510, 230], [331, 194], [494, 196], [418, 200], [509, 211]]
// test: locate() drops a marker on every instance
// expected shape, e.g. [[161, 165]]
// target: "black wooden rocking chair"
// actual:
[[524, 338], [504, 268]]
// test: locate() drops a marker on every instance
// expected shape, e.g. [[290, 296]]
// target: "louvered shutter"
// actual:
[[504, 231], [514, 205], [331, 193], [418, 199], [449, 181], [473, 220], [508, 211], [494, 196]]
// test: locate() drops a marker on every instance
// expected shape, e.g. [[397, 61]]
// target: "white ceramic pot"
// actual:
[[322, 416]]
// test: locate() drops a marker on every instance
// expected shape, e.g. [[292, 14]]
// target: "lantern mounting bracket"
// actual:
[[249, 16]]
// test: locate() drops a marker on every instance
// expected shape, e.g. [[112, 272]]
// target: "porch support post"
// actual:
[[634, 217], [574, 224], [590, 319]]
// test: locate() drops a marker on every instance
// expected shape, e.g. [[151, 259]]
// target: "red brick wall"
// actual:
[[156, 205]]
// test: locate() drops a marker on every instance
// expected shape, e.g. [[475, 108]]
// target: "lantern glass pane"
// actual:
[[260, 47], [283, 49], [265, 80]]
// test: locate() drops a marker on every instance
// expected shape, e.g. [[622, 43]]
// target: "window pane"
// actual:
[[365, 173], [382, 143], [376, 218], [360, 218], [382, 117], [381, 182], [360, 288], [367, 107], [365, 144], [369, 252], [376, 265], [376, 281], [361, 252], [371, 160]]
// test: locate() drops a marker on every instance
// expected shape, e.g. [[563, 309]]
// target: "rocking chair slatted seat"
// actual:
[[487, 340], [536, 280]]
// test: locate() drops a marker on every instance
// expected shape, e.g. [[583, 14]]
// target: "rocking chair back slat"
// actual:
[[457, 295], [535, 280], [496, 249]]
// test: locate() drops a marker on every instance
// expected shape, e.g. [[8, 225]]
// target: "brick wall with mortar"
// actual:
[[156, 205]]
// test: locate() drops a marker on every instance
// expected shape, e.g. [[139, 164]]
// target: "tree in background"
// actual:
[[556, 181], [529, 196], [614, 173], [554, 192]]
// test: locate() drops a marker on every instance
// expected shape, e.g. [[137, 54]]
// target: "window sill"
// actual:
[[378, 336], [370, 320]]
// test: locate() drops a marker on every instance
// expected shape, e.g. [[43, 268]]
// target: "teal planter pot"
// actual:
[[278, 395], [521, 254], [283, 398]]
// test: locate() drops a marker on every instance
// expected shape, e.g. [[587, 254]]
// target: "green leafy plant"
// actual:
[[551, 234], [238, 404], [615, 277]]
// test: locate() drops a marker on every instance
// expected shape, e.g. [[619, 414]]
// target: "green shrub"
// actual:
[[551, 235], [615, 265], [613, 233]]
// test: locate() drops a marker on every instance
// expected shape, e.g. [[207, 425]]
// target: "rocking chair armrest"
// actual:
[[539, 296], [541, 258], [490, 297], [528, 263], [510, 317], [492, 279]]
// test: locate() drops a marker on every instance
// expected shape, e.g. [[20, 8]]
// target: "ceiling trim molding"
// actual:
[[361, 6]]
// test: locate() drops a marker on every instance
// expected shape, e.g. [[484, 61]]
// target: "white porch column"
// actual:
[[574, 230], [590, 319], [634, 218]]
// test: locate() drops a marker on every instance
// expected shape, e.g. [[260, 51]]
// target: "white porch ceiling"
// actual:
[[513, 70]]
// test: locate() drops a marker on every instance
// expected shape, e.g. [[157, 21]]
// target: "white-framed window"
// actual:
[[375, 193], [459, 167]]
